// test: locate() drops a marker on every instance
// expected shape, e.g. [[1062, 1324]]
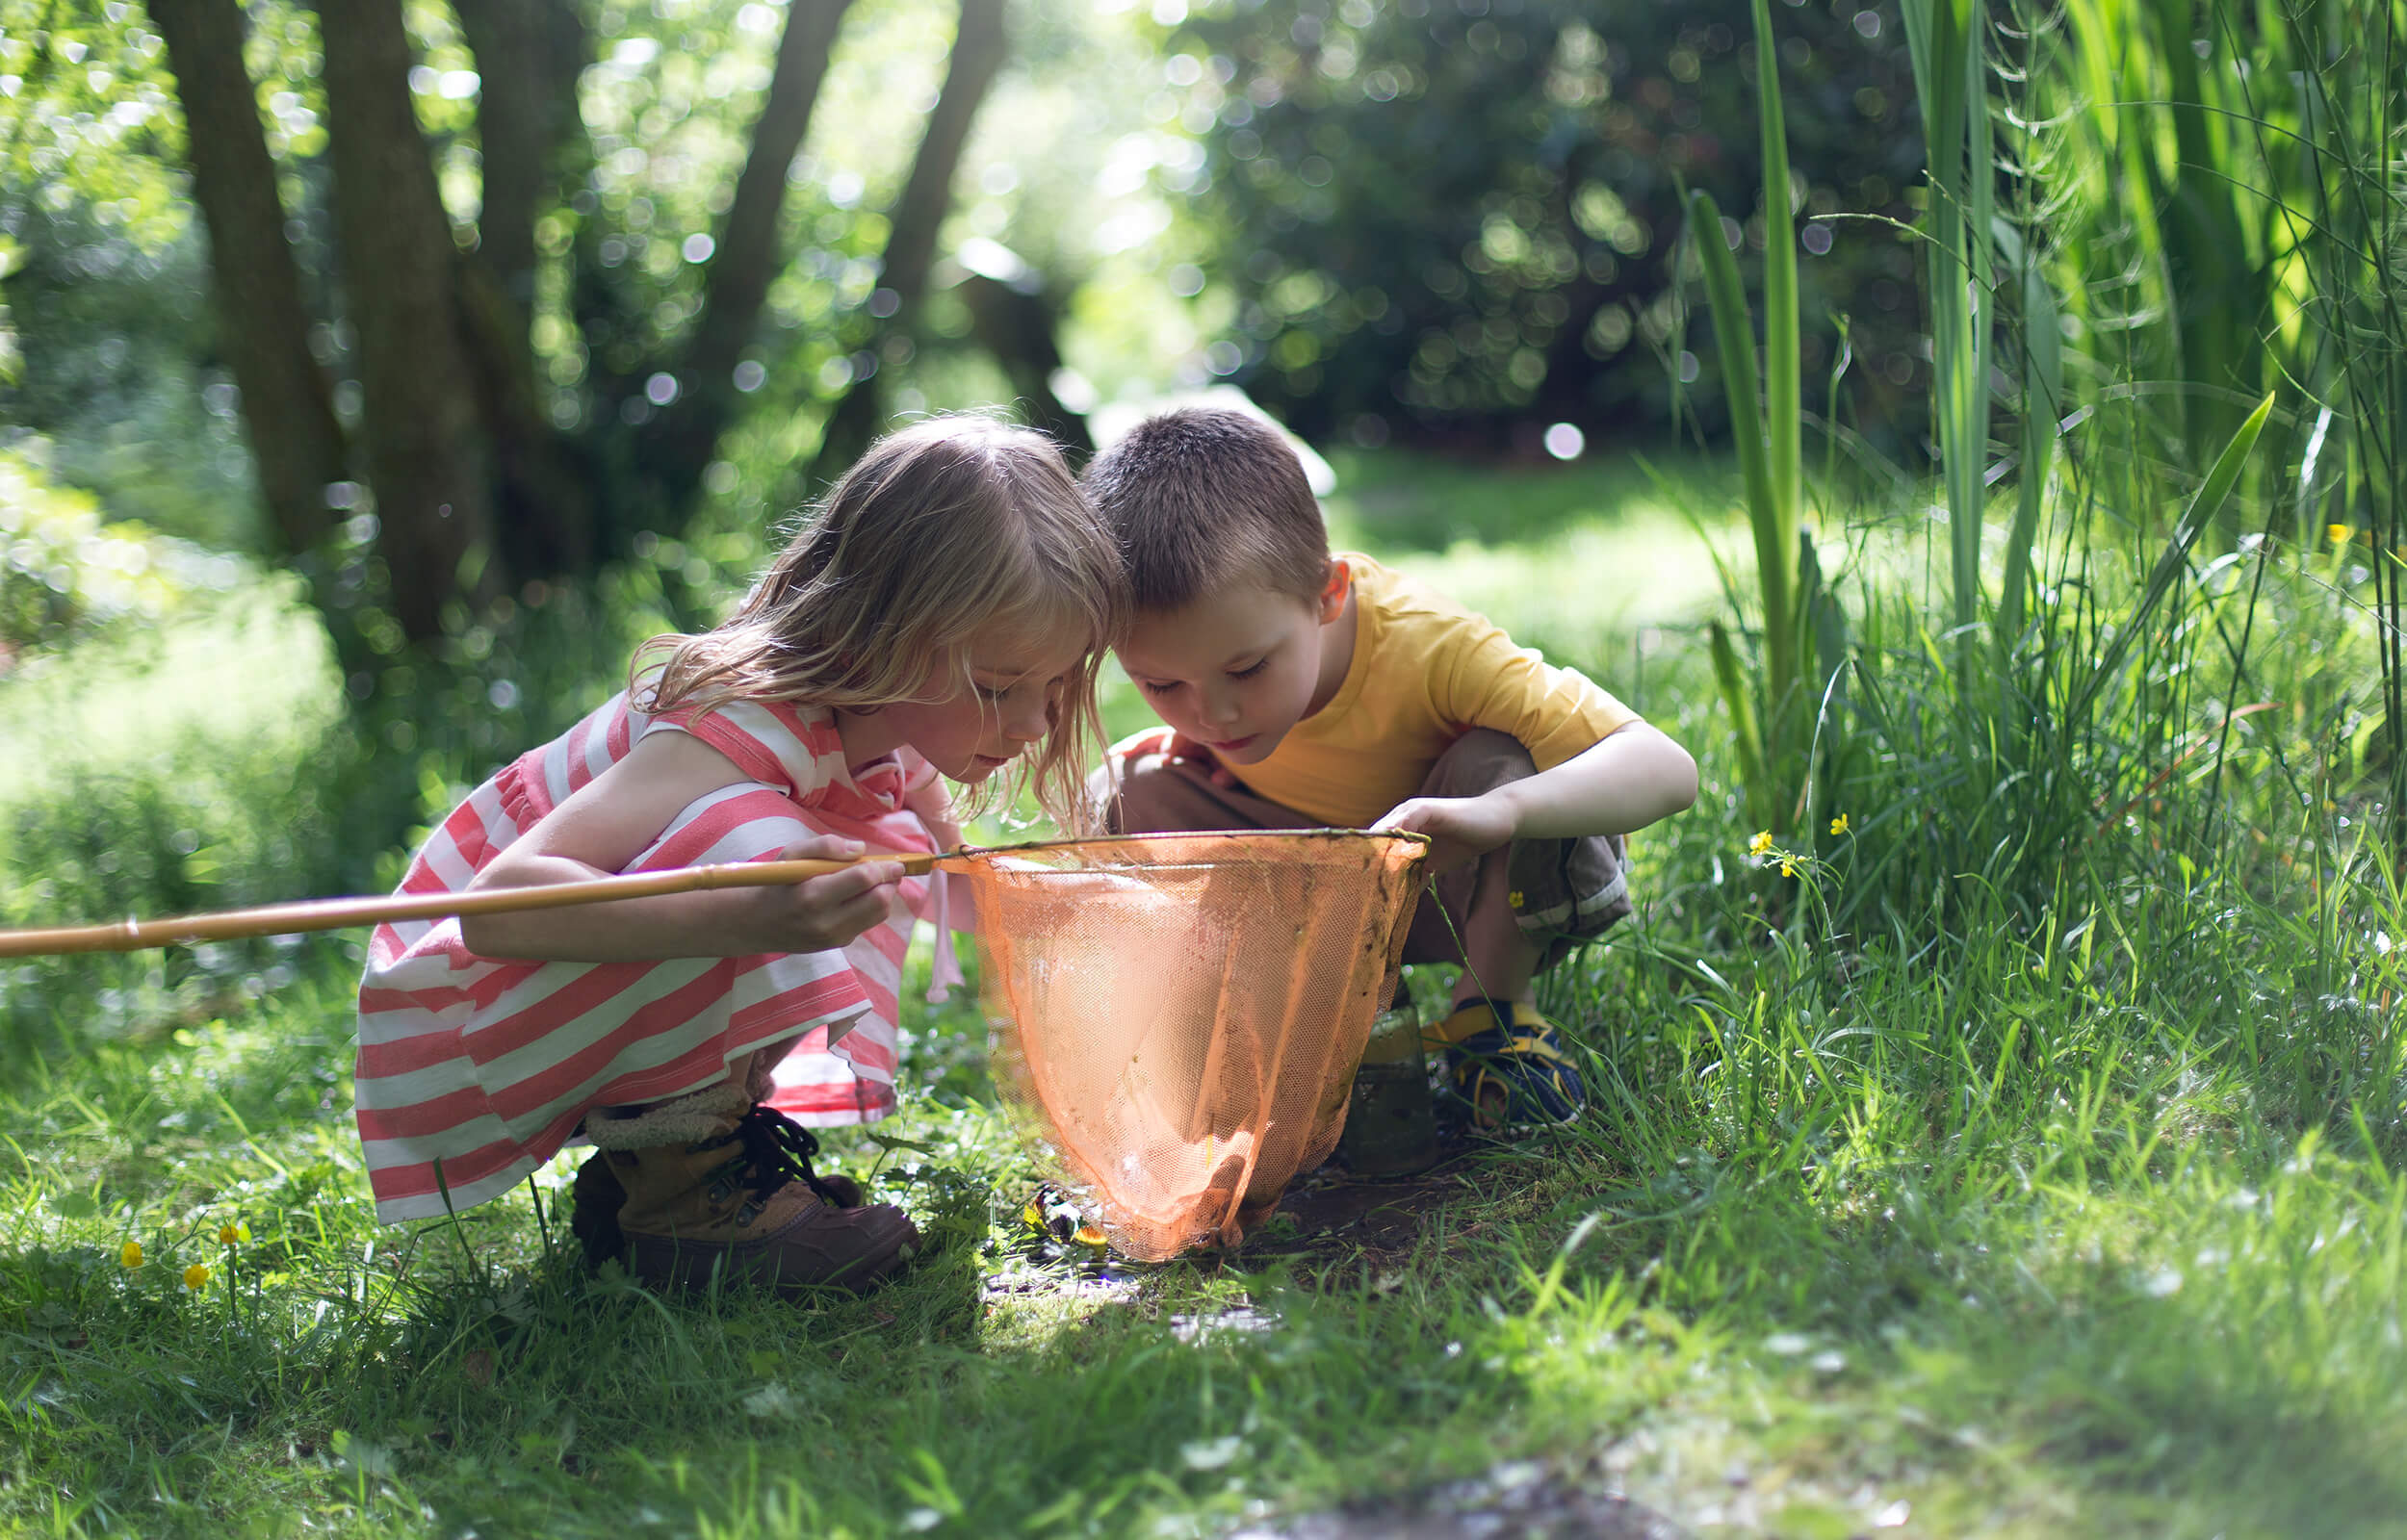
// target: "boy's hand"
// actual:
[[1460, 828], [1177, 745]]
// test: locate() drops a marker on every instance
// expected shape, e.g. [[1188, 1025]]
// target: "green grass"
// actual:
[[2076, 1222]]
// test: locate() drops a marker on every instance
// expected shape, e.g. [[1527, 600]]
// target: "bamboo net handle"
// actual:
[[341, 913]]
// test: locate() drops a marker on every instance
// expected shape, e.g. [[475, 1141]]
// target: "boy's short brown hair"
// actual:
[[1201, 498]]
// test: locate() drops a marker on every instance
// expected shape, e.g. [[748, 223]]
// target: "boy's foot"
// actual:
[[743, 1205], [1506, 1063]]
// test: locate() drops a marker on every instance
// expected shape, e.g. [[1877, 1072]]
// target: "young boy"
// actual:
[[1304, 690]]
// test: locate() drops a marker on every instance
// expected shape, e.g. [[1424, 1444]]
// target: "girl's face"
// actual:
[[971, 721]]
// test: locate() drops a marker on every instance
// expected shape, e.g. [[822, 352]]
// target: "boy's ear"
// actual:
[[1333, 595]]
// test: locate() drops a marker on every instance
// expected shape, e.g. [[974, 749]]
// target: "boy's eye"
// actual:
[[1249, 670]]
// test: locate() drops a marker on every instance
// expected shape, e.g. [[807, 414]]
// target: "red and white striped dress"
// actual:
[[486, 1064]]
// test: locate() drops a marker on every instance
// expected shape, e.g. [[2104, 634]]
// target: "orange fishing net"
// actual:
[[1177, 1018]]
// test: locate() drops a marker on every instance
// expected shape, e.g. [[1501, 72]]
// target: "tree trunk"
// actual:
[[979, 47], [532, 150], [529, 55], [263, 327], [1017, 323], [426, 455], [679, 442]]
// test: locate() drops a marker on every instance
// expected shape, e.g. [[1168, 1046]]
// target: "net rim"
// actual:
[[1331, 835]]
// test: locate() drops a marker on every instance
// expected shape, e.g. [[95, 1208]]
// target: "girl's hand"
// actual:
[[1460, 829], [821, 913]]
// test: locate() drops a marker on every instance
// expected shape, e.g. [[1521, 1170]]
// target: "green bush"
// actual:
[[64, 570]]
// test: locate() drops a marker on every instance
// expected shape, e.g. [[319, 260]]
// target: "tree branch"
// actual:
[[980, 47], [681, 439]]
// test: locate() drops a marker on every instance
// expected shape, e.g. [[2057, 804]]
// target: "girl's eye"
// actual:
[[1249, 670], [1155, 687], [990, 692]]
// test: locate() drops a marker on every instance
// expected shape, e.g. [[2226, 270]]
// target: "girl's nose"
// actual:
[[1029, 721]]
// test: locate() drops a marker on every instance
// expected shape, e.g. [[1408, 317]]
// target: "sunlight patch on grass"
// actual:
[[250, 666]]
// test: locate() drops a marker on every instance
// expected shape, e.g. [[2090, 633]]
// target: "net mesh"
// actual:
[[1175, 1020]]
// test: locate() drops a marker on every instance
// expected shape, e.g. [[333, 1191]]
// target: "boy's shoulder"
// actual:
[[1408, 607]]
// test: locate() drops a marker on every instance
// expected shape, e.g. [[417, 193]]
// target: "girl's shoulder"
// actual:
[[789, 744]]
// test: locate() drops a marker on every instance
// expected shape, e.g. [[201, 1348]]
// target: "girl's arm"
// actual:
[[614, 818], [934, 804]]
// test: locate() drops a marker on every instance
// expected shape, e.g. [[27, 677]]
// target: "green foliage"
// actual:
[[121, 374], [1463, 219], [65, 572], [87, 116]]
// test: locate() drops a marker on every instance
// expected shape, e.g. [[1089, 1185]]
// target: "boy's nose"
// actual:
[[1220, 706]]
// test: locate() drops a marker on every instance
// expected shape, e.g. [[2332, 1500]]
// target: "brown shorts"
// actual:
[[1562, 891]]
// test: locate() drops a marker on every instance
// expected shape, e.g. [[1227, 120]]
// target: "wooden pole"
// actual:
[[342, 913]]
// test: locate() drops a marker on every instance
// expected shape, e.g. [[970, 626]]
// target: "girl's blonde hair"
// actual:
[[942, 531]]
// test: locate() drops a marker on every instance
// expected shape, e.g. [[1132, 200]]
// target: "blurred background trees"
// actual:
[[441, 302], [1454, 220], [466, 296]]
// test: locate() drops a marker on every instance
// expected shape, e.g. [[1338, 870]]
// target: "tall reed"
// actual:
[[1772, 717]]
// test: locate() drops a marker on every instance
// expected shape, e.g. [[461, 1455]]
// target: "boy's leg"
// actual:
[[1506, 918], [1149, 792]]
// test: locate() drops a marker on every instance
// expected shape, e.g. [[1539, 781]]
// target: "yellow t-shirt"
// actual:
[[1425, 671]]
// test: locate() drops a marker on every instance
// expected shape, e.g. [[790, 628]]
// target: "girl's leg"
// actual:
[[713, 1184]]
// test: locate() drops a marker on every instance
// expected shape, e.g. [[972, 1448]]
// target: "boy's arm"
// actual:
[[1626, 781]]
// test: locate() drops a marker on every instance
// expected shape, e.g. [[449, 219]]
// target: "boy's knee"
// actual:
[[1478, 762], [1102, 797], [1149, 793]]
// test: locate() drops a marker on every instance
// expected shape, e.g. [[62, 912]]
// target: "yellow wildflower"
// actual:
[[2340, 535], [195, 1278], [1838, 825], [1788, 868], [231, 1234], [1514, 898], [1760, 843], [1089, 1234], [131, 1257]]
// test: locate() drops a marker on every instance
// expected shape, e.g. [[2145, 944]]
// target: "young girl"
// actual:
[[943, 614]]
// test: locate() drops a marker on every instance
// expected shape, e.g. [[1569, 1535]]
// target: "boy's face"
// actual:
[[1237, 670]]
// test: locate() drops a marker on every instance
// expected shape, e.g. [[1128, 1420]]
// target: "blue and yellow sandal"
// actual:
[[1505, 1064]]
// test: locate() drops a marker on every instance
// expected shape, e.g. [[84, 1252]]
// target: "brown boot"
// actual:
[[740, 1203]]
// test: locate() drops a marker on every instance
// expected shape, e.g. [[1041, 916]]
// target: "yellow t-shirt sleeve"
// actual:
[[1555, 712]]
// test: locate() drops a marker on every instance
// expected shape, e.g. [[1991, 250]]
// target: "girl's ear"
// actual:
[[1331, 601]]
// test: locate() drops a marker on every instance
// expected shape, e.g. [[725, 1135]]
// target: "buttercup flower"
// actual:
[[195, 1278], [2340, 535], [131, 1257], [230, 1234], [1838, 825], [1760, 843]]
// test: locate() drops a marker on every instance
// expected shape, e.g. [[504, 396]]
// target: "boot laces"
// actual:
[[778, 1150]]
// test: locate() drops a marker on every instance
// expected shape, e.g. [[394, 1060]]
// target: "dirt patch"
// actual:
[[1519, 1500], [1330, 1206]]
